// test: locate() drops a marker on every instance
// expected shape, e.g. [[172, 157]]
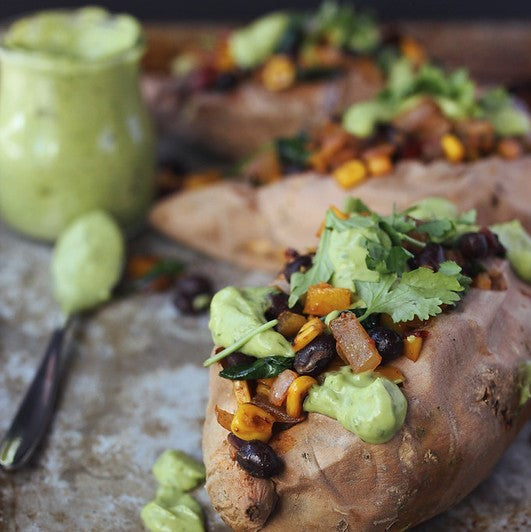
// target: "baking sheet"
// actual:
[[135, 387]]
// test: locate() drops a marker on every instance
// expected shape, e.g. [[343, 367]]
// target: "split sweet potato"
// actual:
[[252, 226], [463, 411]]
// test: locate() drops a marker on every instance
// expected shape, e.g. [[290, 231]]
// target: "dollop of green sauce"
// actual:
[[252, 45], [176, 469], [173, 510], [89, 33], [348, 254], [235, 312], [87, 262], [433, 208], [371, 407], [518, 244]]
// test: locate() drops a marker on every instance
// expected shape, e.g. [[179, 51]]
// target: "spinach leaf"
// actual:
[[263, 368], [293, 151]]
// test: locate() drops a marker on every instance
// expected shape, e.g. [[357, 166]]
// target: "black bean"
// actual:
[[258, 459], [192, 293], [371, 321], [493, 242], [430, 256], [279, 303], [473, 245], [238, 359], [302, 262], [313, 358], [226, 81], [389, 343]]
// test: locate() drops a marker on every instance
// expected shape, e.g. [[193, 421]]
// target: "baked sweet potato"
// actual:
[[239, 122], [251, 226], [464, 410]]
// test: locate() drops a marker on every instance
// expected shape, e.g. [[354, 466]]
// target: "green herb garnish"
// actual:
[[263, 368]]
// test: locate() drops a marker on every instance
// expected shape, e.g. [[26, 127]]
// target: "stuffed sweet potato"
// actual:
[[467, 393], [428, 134], [283, 72]]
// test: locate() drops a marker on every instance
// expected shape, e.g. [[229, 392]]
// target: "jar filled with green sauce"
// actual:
[[74, 132]]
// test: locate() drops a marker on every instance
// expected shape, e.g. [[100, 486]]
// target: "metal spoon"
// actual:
[[38, 406]]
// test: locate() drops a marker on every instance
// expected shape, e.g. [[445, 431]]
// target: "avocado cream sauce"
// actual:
[[518, 244], [371, 407], [252, 45], [235, 312], [87, 262], [173, 510]]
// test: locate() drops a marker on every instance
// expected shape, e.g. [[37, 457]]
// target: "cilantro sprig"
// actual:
[[418, 293], [401, 293]]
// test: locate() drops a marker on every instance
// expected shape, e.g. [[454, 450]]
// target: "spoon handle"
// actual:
[[37, 408]]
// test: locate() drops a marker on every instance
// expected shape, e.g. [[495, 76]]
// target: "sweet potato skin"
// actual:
[[252, 226], [463, 412], [236, 123]]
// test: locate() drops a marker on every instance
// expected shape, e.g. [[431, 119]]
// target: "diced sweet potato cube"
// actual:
[[290, 323], [391, 373], [354, 345], [412, 347], [323, 298]]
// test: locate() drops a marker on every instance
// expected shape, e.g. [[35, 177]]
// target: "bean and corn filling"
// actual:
[[282, 49], [423, 114], [338, 311]]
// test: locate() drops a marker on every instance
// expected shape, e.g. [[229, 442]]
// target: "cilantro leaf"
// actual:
[[320, 272], [418, 293], [447, 230], [355, 206]]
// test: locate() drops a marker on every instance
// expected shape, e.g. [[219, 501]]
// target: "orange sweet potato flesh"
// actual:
[[353, 344], [463, 413], [323, 298]]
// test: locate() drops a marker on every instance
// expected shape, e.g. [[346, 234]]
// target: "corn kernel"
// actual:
[[296, 393], [308, 332], [412, 50], [241, 391], [278, 73], [251, 422], [379, 165], [350, 174], [412, 347], [453, 148]]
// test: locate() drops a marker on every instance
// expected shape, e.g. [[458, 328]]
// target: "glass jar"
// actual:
[[74, 132]]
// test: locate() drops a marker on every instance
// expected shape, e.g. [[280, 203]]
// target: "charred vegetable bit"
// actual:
[[354, 345]]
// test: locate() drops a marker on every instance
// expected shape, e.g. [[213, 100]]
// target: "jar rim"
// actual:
[[39, 60]]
